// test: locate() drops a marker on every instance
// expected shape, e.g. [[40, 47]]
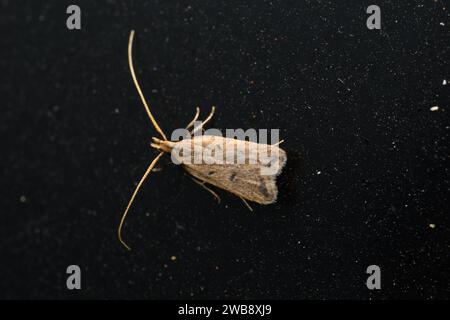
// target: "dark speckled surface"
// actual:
[[366, 179]]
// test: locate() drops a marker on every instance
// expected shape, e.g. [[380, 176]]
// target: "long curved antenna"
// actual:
[[149, 169], [133, 75]]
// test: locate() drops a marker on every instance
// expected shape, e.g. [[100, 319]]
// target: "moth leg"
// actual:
[[246, 203], [200, 127], [162, 167], [209, 116], [213, 109], [202, 183], [197, 113], [279, 142]]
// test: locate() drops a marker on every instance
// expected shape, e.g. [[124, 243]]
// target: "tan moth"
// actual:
[[244, 168]]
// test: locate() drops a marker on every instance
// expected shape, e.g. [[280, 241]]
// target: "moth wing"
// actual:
[[244, 181], [254, 180]]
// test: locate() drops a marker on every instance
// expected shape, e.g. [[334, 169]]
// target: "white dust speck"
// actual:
[[434, 108], [319, 172], [442, 24], [23, 199], [444, 82], [116, 110], [432, 225]]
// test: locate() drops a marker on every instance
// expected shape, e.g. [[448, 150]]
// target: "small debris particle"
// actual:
[[432, 225], [434, 108], [23, 199], [442, 24], [319, 172], [173, 258], [444, 82]]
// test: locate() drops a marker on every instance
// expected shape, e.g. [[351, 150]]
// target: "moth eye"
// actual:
[[233, 176]]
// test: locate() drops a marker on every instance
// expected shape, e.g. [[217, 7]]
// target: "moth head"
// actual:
[[163, 145]]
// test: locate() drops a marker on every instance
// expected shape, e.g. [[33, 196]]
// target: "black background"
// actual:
[[351, 103]]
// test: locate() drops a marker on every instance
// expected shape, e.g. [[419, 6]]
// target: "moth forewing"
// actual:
[[245, 168]]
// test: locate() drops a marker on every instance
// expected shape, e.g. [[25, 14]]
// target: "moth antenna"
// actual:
[[136, 83], [202, 184], [246, 203], [197, 113], [213, 109], [149, 169]]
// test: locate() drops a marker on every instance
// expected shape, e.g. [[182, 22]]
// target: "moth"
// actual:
[[251, 175]]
